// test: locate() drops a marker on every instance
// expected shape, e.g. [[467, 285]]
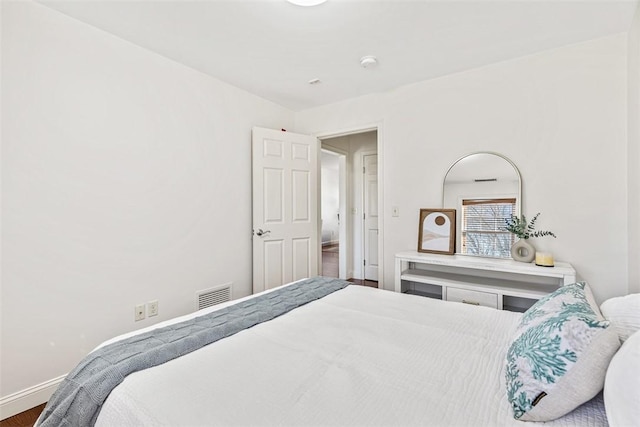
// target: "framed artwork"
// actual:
[[437, 232]]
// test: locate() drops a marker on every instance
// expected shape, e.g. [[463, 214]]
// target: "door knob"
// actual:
[[261, 232]]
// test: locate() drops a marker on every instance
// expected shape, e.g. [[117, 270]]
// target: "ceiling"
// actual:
[[273, 49]]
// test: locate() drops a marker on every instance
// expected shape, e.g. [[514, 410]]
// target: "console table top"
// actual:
[[481, 263]]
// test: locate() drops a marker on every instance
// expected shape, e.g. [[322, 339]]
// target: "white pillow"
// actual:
[[559, 356], [622, 385], [623, 313]]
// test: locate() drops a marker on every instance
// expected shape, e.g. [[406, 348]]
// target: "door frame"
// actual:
[[342, 229], [379, 128], [363, 243]]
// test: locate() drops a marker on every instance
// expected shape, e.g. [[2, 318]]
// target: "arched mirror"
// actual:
[[485, 189]]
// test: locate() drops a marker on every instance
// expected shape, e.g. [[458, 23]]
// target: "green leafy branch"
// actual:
[[523, 229]]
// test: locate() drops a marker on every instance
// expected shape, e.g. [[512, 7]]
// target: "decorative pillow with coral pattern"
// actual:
[[560, 354]]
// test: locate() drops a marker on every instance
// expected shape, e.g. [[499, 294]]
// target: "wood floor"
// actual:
[[23, 419], [369, 283], [329, 268], [330, 261]]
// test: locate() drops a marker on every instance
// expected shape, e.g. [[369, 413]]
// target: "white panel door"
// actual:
[[370, 182], [285, 207]]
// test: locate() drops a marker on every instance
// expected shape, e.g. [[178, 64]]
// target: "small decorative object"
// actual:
[[544, 259], [437, 231], [522, 250]]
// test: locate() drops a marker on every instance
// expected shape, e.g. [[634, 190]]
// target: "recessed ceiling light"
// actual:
[[306, 2]]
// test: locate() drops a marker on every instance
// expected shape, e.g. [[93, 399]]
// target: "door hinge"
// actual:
[[364, 216], [364, 169], [364, 261]]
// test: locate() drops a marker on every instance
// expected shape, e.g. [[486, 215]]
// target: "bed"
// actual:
[[357, 356]]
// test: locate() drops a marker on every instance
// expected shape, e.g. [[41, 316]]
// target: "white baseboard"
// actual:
[[28, 398]]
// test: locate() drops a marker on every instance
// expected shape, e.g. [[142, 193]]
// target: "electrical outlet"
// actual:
[[152, 307], [139, 312]]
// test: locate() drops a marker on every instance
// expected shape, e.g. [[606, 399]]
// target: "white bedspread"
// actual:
[[359, 356]]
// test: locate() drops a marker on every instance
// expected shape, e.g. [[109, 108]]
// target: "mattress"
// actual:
[[359, 356]]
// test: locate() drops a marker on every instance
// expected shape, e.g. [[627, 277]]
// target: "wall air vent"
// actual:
[[214, 296]]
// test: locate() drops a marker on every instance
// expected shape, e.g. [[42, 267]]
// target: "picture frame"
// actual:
[[437, 231]]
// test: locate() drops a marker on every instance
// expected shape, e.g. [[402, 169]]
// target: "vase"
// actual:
[[523, 251]]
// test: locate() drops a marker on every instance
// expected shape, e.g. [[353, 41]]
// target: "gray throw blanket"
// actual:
[[79, 398]]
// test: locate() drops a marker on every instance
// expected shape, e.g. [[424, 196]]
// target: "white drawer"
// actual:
[[472, 297]]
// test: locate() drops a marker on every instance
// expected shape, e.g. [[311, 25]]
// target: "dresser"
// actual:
[[503, 284]]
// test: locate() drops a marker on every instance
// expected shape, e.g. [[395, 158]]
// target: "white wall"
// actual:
[[125, 178], [1, 186], [634, 154], [559, 115]]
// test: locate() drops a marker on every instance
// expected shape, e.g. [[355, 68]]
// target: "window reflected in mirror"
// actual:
[[483, 232]]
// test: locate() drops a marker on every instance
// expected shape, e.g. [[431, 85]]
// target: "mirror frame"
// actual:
[[518, 200]]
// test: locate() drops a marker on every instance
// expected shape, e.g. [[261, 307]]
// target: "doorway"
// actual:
[[332, 170], [358, 239]]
